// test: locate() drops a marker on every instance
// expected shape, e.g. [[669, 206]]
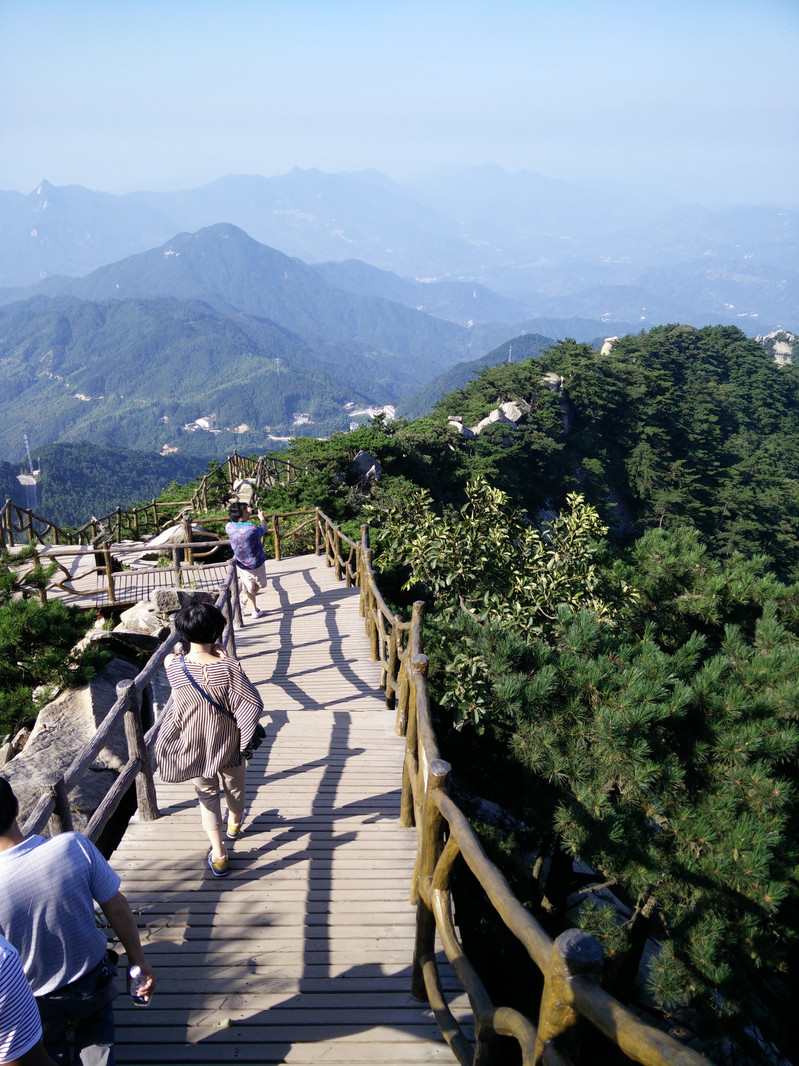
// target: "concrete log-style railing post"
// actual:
[[109, 573], [317, 535], [228, 611], [61, 818], [411, 733], [134, 734], [337, 551], [392, 664], [187, 539], [371, 608], [574, 954], [176, 565], [236, 595], [276, 537], [430, 846], [363, 574]]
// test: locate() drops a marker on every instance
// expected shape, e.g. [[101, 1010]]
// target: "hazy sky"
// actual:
[[117, 95]]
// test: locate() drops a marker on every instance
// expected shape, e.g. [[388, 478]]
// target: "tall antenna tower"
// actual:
[[28, 450]]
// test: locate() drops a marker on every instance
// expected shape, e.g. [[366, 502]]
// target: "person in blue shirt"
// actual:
[[246, 540], [48, 888]]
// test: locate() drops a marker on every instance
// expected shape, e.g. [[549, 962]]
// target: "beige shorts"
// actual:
[[252, 580]]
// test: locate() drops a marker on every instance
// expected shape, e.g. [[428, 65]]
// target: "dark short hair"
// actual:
[[200, 623], [235, 508], [9, 807]]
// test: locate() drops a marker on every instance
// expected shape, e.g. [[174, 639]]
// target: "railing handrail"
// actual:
[[14, 518], [570, 965], [53, 805]]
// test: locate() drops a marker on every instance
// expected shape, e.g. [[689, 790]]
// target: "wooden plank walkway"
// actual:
[[303, 953], [85, 587]]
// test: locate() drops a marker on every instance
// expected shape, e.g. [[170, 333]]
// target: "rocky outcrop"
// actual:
[[780, 344], [62, 728], [364, 470], [68, 722], [162, 543], [508, 413]]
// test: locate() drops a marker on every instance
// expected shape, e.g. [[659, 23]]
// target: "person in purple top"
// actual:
[[246, 540]]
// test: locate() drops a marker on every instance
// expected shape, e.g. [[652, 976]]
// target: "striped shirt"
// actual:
[[20, 1027], [196, 739]]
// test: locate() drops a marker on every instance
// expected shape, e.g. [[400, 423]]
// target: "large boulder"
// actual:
[[143, 618], [243, 490], [364, 470], [153, 617], [62, 729], [163, 542]]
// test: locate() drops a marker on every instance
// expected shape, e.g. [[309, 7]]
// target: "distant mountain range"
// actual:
[[543, 248], [214, 332]]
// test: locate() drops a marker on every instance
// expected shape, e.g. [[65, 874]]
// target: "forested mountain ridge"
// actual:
[[626, 697], [214, 324], [79, 480], [671, 426], [674, 426], [223, 265], [135, 372], [559, 248]]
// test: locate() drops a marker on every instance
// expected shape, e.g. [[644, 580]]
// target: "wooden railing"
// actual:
[[290, 531], [113, 585], [571, 965], [22, 525], [53, 805]]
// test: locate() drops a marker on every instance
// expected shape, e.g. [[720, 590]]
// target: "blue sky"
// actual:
[[701, 96]]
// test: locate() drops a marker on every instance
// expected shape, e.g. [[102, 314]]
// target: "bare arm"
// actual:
[[117, 911]]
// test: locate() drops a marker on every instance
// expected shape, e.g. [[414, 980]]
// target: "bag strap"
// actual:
[[205, 694]]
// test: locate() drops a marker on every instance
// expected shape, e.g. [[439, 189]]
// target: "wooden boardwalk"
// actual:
[[303, 953]]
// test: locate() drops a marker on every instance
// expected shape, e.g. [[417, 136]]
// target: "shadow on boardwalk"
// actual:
[[303, 954]]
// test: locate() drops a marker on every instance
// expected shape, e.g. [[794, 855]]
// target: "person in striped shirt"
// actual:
[[206, 733], [20, 1025]]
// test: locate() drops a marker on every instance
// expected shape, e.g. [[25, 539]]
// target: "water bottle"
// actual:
[[134, 980]]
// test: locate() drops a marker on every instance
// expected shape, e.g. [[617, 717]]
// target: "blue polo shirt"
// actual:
[[47, 893]]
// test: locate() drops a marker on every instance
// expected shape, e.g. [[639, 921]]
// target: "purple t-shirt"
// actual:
[[246, 540]]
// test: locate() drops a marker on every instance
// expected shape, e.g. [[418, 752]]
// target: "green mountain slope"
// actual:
[[133, 372], [82, 479], [222, 265], [527, 346]]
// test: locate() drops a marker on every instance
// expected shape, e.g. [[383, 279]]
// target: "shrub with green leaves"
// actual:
[[36, 645], [488, 561]]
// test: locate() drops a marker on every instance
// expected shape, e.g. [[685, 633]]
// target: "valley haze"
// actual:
[[263, 307]]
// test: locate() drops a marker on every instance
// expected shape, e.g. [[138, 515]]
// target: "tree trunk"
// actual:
[[622, 970]]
